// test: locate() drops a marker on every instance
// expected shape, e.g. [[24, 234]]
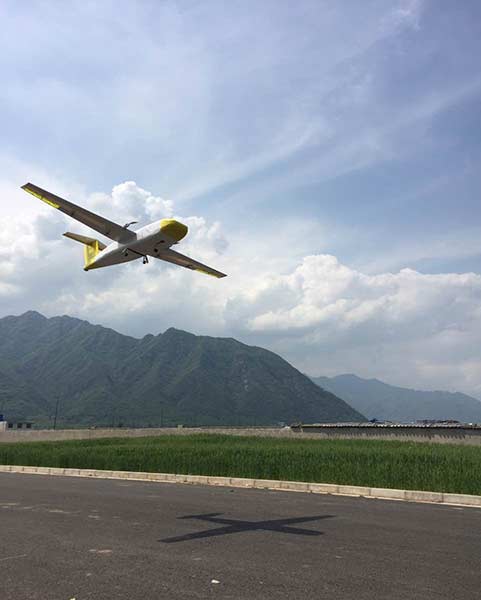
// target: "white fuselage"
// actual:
[[144, 241]]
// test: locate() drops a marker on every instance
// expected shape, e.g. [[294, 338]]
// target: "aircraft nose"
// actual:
[[174, 229]]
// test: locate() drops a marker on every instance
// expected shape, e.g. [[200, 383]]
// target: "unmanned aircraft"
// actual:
[[153, 240]]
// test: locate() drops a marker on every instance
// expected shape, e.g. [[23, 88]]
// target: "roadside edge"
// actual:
[[296, 486]]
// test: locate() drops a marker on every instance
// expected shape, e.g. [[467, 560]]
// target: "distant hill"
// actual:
[[101, 377], [379, 400]]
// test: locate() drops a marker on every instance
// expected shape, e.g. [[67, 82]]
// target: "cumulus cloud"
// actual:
[[329, 317], [322, 315], [129, 201], [41, 269], [321, 291]]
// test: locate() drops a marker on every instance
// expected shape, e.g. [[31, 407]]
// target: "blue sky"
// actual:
[[326, 155]]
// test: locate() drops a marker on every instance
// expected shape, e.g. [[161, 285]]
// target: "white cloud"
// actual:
[[324, 316], [328, 317], [40, 269], [128, 201], [404, 14], [194, 98], [323, 292]]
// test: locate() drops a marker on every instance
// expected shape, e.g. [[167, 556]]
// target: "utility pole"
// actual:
[[56, 412]]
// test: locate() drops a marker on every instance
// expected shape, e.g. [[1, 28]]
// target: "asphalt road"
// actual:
[[64, 538]]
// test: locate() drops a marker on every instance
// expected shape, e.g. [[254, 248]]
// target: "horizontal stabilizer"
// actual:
[[84, 239], [92, 248]]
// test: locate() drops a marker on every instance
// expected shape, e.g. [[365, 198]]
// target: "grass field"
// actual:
[[404, 465]]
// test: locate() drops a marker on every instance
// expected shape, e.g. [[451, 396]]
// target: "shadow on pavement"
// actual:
[[238, 526]]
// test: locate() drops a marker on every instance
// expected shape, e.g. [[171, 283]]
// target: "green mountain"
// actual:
[[100, 377], [18, 398], [379, 400]]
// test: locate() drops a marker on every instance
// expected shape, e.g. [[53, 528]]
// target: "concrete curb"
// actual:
[[271, 484]]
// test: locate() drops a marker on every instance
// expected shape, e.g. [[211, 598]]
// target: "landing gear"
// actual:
[[145, 260], [125, 253]]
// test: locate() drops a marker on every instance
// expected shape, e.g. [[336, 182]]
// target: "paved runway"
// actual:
[[64, 538]]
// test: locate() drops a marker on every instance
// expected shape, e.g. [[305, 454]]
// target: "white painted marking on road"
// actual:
[[12, 557], [100, 551]]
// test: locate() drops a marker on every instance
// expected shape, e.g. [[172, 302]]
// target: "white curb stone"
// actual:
[[388, 494], [423, 496], [241, 482], [353, 490], [462, 499], [293, 486], [324, 488], [266, 484]]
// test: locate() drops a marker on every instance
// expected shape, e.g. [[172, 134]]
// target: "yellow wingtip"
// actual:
[[28, 187]]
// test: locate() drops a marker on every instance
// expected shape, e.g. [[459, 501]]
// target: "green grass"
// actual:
[[404, 465]]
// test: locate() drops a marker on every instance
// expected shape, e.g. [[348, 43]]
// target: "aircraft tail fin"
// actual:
[[92, 247]]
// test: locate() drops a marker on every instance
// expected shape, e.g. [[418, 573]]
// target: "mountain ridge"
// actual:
[[101, 377], [377, 399]]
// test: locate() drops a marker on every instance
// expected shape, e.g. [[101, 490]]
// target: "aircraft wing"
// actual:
[[184, 261], [104, 226]]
